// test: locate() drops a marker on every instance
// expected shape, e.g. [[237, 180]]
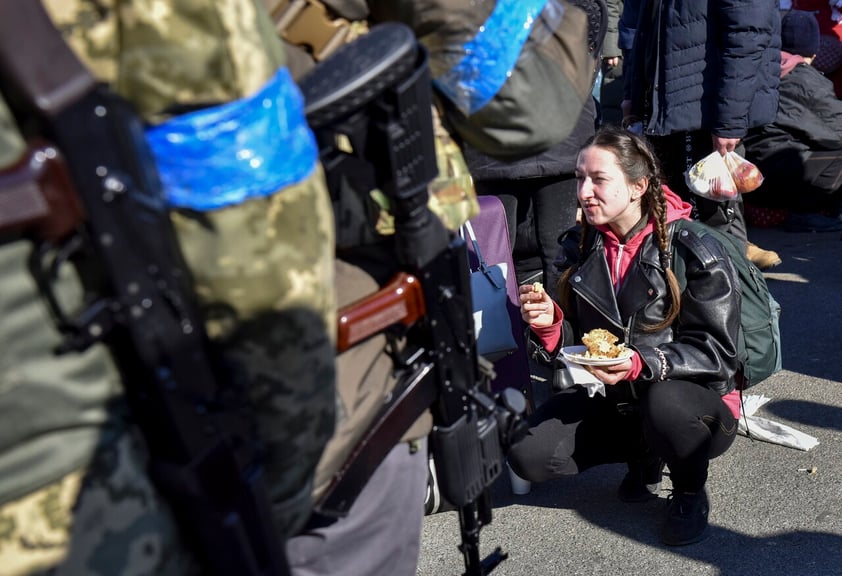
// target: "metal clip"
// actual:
[[307, 23]]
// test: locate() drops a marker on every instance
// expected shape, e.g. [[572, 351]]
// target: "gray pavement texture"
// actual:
[[767, 516]]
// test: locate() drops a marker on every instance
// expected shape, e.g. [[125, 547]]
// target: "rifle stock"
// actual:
[[37, 197]]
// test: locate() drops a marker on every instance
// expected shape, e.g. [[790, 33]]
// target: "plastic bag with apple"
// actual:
[[721, 178], [746, 175], [710, 178]]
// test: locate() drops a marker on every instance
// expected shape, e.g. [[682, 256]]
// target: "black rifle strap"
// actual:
[[47, 74], [411, 397]]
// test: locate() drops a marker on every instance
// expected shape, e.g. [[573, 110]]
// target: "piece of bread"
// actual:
[[537, 287], [602, 344]]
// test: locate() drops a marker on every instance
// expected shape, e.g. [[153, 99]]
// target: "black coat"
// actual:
[[559, 159], [809, 118], [715, 66], [701, 346]]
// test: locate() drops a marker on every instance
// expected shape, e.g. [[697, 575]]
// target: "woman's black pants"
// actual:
[[683, 423]]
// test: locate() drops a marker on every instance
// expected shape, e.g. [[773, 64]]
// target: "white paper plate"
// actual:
[[576, 354]]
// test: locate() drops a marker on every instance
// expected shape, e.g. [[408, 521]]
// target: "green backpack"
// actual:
[[760, 334]]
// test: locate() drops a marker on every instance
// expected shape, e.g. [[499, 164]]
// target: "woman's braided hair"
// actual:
[[636, 160]]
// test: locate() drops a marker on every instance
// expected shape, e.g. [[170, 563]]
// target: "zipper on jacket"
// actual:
[[620, 249]]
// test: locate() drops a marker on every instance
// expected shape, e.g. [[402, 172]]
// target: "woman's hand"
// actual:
[[536, 307], [611, 374], [614, 60]]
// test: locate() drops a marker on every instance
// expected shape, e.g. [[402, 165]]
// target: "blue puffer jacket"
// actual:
[[718, 66]]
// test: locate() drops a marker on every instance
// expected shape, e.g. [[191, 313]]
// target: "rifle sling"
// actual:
[[413, 395], [47, 74]]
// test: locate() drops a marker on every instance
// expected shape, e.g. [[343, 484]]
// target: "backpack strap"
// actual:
[[686, 233]]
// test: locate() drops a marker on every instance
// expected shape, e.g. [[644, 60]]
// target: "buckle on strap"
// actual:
[[308, 23]]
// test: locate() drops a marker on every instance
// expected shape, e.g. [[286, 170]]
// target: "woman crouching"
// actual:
[[673, 400]]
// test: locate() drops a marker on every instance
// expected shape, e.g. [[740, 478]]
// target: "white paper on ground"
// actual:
[[767, 430]]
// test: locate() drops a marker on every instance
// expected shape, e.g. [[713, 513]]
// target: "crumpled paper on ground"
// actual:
[[582, 377], [760, 428]]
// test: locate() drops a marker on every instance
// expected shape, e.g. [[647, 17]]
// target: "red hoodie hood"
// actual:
[[619, 255]]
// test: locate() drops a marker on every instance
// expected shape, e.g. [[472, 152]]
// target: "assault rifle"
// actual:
[[369, 105], [103, 210]]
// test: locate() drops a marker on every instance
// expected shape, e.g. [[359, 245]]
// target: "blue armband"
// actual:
[[226, 154]]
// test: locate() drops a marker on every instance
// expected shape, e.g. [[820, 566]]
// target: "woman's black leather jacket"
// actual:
[[701, 346]]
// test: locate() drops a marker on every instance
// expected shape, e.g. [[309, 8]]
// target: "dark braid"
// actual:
[[637, 160]]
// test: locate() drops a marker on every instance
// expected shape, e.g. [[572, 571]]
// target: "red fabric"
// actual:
[[732, 401], [676, 209], [822, 10], [549, 336], [761, 217]]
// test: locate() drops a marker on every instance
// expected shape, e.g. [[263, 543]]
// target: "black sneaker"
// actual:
[[687, 518], [642, 482]]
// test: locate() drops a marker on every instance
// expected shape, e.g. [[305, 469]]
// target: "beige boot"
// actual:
[[763, 259]]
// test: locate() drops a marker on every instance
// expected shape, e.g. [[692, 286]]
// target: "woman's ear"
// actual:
[[638, 189]]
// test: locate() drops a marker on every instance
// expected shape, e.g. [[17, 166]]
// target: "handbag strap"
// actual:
[[470, 229]]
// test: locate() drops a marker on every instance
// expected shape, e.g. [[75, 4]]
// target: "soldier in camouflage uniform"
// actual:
[[74, 496]]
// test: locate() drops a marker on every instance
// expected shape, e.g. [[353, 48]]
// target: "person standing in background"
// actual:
[[538, 191], [700, 77], [611, 66], [800, 153]]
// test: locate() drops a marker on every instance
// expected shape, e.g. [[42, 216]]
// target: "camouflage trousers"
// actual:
[[105, 519]]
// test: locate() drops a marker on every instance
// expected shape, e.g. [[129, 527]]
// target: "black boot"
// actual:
[[687, 518], [643, 480]]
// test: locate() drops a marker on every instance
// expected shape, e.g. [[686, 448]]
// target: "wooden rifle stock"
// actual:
[[399, 302], [37, 196]]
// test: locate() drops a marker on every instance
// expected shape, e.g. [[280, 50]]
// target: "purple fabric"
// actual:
[[492, 234]]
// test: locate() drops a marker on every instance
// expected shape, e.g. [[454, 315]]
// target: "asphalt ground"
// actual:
[[768, 515]]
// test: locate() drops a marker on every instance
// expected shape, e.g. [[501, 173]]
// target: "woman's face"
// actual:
[[605, 195]]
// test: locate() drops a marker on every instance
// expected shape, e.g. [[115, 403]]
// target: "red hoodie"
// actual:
[[619, 257]]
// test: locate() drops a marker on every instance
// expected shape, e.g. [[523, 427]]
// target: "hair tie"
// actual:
[[665, 259]]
